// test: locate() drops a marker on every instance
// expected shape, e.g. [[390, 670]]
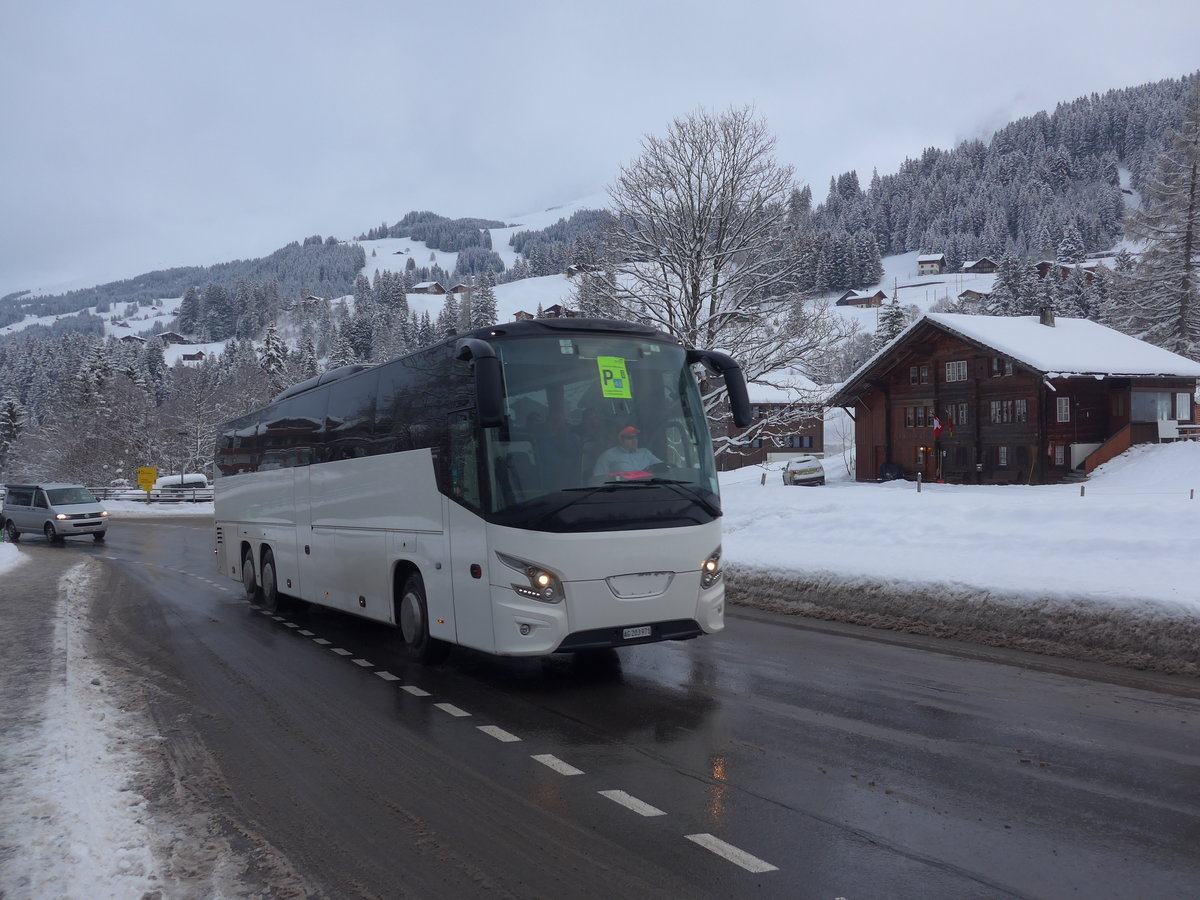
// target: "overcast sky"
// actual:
[[142, 135]]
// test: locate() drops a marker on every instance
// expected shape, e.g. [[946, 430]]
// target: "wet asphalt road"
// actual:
[[783, 758]]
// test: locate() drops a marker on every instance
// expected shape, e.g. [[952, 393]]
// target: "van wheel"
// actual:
[[10, 532], [249, 581], [271, 598], [51, 535], [414, 624]]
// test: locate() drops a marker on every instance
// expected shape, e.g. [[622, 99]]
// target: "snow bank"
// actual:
[[1109, 574]]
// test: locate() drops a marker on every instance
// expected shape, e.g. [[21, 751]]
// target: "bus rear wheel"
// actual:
[[272, 600], [414, 624]]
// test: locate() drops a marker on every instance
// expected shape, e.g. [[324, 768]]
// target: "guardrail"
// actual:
[[187, 495]]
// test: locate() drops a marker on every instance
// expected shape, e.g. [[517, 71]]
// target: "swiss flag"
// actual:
[[937, 427]]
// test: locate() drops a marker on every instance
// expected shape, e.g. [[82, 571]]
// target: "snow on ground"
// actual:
[[68, 788], [1128, 542]]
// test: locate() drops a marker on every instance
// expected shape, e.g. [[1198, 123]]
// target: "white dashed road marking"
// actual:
[[562, 768], [321, 641], [339, 651], [414, 690], [631, 802], [452, 709], [306, 633], [387, 676], [732, 853], [499, 733], [364, 663]]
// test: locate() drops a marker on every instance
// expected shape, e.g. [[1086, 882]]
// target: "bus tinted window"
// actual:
[[291, 432], [350, 417]]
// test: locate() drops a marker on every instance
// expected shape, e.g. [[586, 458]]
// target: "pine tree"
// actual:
[[273, 357], [1166, 307], [890, 322], [12, 422], [188, 322], [483, 303], [1070, 248]]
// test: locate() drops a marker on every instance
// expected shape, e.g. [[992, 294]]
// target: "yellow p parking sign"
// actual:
[[614, 377]]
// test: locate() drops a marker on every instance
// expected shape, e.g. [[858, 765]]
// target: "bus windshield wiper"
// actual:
[[682, 488]]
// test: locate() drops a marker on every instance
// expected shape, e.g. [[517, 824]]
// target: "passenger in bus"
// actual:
[[626, 457]]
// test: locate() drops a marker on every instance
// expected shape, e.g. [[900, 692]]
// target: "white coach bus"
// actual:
[[470, 493]]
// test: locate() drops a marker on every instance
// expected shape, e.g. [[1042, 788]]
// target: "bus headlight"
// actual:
[[710, 569], [543, 584]]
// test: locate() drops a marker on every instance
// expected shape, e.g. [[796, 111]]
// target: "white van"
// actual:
[[191, 486], [54, 510]]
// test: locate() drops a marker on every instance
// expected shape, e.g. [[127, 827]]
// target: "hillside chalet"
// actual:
[[853, 298], [1012, 400], [931, 264]]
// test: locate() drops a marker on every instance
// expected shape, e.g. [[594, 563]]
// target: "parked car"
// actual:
[[54, 510], [191, 486], [804, 470]]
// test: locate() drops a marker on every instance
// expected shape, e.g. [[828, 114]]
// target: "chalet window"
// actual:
[[755, 412], [924, 374], [1150, 406], [1064, 409], [929, 416], [957, 370], [997, 367], [920, 417], [1002, 457], [912, 374], [1183, 407], [1060, 454], [756, 443], [1008, 367], [1002, 412], [961, 417], [909, 414], [1021, 413]]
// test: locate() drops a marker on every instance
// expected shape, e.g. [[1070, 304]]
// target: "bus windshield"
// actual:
[[589, 417]]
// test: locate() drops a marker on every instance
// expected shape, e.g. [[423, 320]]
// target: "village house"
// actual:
[[973, 299], [981, 266], [805, 434], [1063, 270], [1012, 400], [853, 298], [173, 337], [198, 356], [428, 287], [931, 264]]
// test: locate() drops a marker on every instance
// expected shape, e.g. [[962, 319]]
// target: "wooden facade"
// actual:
[[947, 407], [804, 436], [853, 298]]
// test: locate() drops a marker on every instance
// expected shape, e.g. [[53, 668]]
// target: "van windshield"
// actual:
[[69, 495]]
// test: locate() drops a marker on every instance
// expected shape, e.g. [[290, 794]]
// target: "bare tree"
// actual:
[[703, 250]]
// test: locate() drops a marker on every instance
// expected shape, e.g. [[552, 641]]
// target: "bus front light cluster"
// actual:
[[710, 569], [543, 584]]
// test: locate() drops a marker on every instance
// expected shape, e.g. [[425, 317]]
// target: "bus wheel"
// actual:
[[10, 532], [414, 624], [271, 599], [249, 581]]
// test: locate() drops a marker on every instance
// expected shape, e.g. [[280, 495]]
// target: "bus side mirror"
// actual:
[[489, 381], [735, 381]]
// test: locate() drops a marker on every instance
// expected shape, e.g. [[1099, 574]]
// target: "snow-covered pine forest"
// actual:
[[1114, 172]]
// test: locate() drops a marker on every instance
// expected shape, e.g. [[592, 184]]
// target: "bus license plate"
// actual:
[[639, 632]]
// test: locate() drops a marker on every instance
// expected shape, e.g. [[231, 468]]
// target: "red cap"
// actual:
[[628, 430]]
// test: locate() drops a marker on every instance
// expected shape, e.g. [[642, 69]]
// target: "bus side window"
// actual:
[[464, 461]]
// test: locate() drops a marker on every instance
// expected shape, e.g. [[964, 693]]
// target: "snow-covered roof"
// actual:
[[1071, 347], [930, 257]]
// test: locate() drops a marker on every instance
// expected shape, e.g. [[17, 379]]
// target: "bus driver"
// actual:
[[626, 458]]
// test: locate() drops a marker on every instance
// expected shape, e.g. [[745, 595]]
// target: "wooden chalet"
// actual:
[[981, 266], [853, 298], [522, 316], [198, 356], [558, 311], [1062, 271], [428, 287], [805, 434], [459, 288], [131, 339], [1012, 400], [974, 298], [931, 264], [173, 337]]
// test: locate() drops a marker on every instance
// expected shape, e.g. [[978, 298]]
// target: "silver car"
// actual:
[[53, 510], [804, 470]]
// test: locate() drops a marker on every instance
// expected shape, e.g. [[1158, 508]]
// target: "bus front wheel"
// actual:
[[249, 581], [414, 624]]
